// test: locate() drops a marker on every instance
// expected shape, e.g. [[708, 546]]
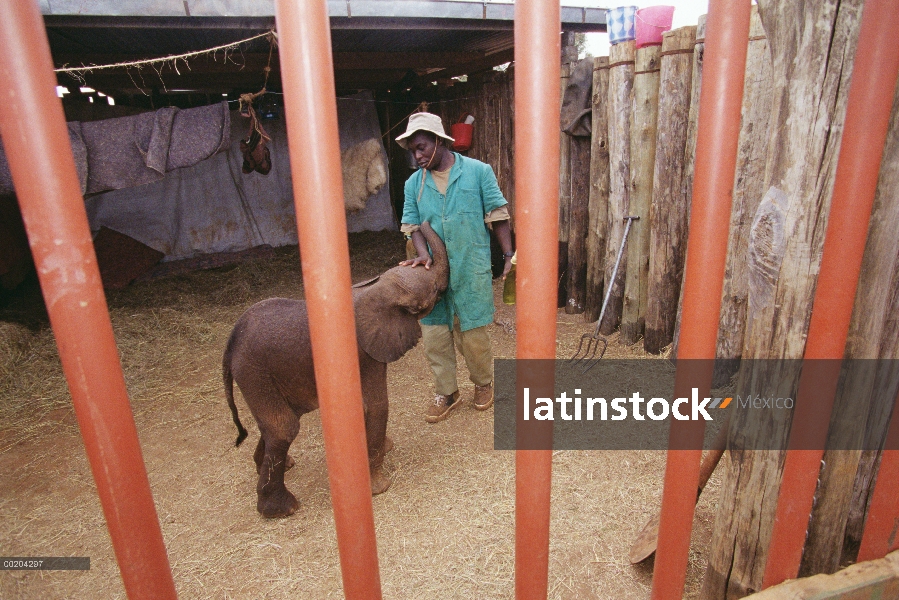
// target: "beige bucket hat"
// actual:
[[423, 121]]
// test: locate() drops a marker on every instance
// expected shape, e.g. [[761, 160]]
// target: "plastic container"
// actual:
[[509, 287], [509, 284], [462, 132], [620, 24], [651, 23]]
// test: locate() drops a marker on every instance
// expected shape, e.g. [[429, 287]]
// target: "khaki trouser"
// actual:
[[474, 345]]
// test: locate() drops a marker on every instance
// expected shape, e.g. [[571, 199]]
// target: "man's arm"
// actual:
[[421, 246], [504, 236]]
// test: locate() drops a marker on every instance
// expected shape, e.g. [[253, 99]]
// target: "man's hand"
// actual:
[[421, 260], [508, 267]]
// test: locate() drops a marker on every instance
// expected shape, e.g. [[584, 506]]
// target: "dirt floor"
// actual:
[[445, 528]]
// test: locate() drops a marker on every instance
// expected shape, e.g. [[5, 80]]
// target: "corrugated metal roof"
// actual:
[[375, 42], [405, 9]]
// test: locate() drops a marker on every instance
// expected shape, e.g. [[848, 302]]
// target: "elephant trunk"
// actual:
[[440, 266]]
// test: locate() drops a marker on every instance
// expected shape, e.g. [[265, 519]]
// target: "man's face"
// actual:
[[424, 146]]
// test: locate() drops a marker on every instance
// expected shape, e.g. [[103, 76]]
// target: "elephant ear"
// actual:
[[366, 283], [384, 330]]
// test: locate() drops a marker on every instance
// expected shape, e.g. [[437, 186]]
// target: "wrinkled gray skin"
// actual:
[[270, 357]]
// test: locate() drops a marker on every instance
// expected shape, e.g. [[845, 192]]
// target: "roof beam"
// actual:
[[483, 64]]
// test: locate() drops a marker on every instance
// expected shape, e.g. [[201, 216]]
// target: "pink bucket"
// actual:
[[650, 23]]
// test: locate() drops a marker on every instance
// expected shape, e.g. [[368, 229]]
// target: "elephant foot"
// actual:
[[380, 481], [388, 445], [278, 503]]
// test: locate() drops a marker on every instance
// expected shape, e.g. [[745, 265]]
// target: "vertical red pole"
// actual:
[[307, 73], [874, 75], [43, 170], [537, 104], [880, 536], [721, 99]]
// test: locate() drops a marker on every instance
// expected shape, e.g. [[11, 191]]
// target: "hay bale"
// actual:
[[364, 173]]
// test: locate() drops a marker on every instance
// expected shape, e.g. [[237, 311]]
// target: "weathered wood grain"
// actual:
[[690, 155], [578, 227], [569, 56], [668, 211], [621, 81], [643, 158], [863, 402], [811, 48], [748, 190], [598, 209]]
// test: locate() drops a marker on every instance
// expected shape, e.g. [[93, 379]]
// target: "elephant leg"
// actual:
[[273, 498], [374, 391], [278, 427], [260, 453]]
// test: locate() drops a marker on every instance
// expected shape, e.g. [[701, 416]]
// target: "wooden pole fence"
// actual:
[[643, 155], [668, 210]]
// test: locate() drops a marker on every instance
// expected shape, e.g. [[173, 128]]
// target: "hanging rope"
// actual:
[[246, 100], [172, 58]]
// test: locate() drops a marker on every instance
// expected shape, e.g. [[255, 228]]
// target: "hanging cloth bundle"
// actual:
[[256, 155]]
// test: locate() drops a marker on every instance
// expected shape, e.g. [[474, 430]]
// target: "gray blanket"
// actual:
[[577, 100], [129, 151]]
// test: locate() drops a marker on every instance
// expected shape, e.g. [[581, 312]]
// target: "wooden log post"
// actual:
[[861, 409], [690, 153], [812, 49], [569, 56], [598, 210], [748, 191], [581, 83], [621, 82], [643, 159], [578, 227], [668, 211]]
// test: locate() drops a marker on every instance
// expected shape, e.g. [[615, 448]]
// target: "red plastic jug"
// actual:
[[462, 132]]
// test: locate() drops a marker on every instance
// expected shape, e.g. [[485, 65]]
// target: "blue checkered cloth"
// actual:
[[620, 23]]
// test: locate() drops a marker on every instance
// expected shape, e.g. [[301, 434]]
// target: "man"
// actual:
[[458, 196]]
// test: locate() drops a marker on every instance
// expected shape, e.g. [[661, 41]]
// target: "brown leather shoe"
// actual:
[[440, 408], [483, 396]]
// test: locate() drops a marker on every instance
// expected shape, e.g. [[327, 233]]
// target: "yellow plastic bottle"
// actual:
[[509, 286]]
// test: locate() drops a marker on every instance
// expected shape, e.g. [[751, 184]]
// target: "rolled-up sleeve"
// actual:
[[497, 214]]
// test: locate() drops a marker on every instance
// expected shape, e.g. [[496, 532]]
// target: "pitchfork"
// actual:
[[593, 340]]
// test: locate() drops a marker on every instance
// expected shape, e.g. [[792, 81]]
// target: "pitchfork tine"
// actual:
[[594, 339]]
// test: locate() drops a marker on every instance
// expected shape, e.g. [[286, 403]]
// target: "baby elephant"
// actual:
[[270, 357]]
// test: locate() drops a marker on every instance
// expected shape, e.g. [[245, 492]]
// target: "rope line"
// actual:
[[175, 57]]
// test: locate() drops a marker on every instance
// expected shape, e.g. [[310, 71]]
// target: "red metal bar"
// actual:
[[307, 72], [880, 537], [43, 170], [874, 76], [716, 154], [537, 105]]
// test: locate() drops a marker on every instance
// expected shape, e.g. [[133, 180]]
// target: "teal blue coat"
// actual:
[[458, 218]]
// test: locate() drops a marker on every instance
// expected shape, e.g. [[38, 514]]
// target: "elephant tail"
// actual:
[[229, 393]]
